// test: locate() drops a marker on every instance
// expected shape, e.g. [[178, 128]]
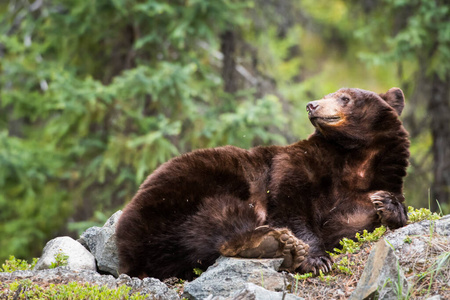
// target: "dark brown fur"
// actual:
[[346, 177]]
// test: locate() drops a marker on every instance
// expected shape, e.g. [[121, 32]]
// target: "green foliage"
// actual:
[[348, 246], [417, 215], [352, 246], [25, 289], [14, 264], [344, 265], [371, 236], [424, 31], [60, 260], [413, 36], [94, 96]]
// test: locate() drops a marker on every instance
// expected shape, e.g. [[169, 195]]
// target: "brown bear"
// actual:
[[294, 202]]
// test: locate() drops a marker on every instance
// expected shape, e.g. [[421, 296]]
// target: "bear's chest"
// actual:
[[358, 174]]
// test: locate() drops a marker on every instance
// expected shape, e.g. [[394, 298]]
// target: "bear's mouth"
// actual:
[[329, 119]]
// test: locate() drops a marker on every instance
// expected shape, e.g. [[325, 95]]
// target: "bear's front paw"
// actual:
[[388, 208], [315, 264], [383, 203]]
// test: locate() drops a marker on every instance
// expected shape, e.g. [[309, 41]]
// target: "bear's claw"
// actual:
[[315, 264]]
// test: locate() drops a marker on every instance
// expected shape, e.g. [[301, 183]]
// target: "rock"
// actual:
[[152, 287], [229, 275], [253, 291], [101, 242], [78, 257], [382, 277], [440, 227], [412, 241], [148, 286]]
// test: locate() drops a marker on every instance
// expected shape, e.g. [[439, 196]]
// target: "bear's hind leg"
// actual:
[[229, 226], [266, 242]]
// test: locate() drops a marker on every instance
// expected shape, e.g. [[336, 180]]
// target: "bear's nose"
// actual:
[[310, 107]]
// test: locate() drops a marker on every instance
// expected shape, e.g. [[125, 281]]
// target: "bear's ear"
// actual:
[[395, 98]]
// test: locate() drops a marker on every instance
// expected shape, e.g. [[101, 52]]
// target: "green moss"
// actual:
[[25, 289]]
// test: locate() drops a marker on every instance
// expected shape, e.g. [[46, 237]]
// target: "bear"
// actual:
[[294, 202]]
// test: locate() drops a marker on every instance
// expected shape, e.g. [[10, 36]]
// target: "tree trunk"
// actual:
[[439, 113], [228, 49]]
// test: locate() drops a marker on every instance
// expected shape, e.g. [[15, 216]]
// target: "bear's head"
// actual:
[[354, 117]]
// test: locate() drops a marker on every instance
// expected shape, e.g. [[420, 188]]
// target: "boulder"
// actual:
[[78, 257], [253, 291], [101, 242], [382, 277], [441, 227], [148, 286], [230, 275]]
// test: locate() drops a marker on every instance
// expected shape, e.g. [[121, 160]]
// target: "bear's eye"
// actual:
[[345, 99]]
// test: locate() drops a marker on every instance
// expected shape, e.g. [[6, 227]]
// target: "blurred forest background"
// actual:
[[94, 95]]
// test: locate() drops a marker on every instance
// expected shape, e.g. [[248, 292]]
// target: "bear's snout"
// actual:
[[311, 107]]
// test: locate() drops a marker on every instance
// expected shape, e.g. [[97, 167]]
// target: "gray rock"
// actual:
[[101, 242], [78, 257], [253, 291], [440, 227], [382, 277], [148, 286], [151, 287], [229, 275]]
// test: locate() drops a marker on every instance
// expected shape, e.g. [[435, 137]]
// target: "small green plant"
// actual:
[[344, 265], [348, 246], [301, 277], [352, 246], [326, 278], [15, 264], [198, 271], [60, 260], [371, 236], [407, 240], [417, 215]]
